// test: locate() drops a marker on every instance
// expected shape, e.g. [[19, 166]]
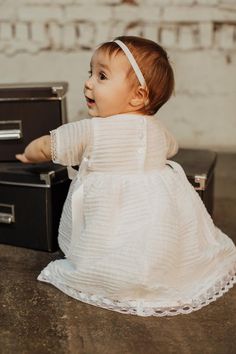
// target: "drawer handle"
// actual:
[[11, 130], [7, 213]]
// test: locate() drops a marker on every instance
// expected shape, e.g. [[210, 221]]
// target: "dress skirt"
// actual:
[[141, 243]]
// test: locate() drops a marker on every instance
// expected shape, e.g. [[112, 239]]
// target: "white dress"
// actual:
[[136, 236]]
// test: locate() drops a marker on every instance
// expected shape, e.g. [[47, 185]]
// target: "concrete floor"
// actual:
[[36, 318]]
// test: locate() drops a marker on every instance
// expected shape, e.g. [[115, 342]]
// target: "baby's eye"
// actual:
[[90, 73], [102, 76]]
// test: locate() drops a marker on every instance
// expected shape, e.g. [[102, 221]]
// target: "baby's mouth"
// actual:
[[89, 100]]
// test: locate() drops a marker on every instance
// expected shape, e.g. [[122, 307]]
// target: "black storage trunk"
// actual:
[[31, 201], [199, 166], [28, 111], [32, 197]]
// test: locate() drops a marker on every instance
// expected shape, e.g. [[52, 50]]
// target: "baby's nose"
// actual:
[[88, 84]]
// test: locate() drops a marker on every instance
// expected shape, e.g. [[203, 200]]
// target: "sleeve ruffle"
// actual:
[[69, 141]]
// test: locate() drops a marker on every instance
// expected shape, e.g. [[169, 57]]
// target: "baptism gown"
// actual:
[[136, 236]]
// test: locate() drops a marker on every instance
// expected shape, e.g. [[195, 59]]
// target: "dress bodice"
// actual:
[[122, 143]]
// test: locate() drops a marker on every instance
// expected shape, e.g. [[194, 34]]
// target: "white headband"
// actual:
[[132, 62]]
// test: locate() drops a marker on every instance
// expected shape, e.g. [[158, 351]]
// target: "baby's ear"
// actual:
[[140, 97]]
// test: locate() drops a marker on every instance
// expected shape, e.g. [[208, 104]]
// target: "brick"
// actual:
[[19, 46], [158, 2], [183, 2], [33, 48], [225, 15], [149, 14], [208, 2], [69, 37], [7, 12], [21, 31], [186, 38], [150, 31], [6, 31], [55, 35], [136, 13], [64, 2], [96, 2], [226, 37], [86, 35], [40, 13], [117, 29], [87, 13], [102, 32], [127, 13], [206, 34], [39, 35], [227, 1], [197, 14], [169, 36], [40, 2], [228, 6], [134, 29]]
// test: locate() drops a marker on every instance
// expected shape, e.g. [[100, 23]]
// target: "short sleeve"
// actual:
[[171, 143], [69, 141]]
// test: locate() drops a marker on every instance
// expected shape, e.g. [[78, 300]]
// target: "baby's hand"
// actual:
[[22, 158], [39, 150]]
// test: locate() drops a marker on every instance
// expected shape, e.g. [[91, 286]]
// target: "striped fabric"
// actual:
[[136, 236]]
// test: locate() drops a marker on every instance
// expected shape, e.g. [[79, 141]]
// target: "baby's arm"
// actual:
[[39, 150]]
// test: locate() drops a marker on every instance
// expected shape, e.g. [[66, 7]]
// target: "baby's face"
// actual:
[[108, 91]]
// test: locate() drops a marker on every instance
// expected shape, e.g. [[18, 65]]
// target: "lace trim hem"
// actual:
[[143, 308], [53, 145]]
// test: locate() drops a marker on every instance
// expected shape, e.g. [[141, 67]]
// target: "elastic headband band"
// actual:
[[132, 62]]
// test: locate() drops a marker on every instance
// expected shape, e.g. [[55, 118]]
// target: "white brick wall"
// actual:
[[181, 24], [87, 13], [39, 13], [200, 36]]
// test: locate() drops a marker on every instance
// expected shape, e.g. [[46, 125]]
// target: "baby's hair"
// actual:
[[154, 64]]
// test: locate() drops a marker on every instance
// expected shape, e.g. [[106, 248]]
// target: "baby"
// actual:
[[136, 236]]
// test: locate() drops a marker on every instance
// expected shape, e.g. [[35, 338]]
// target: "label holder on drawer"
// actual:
[[7, 213]]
